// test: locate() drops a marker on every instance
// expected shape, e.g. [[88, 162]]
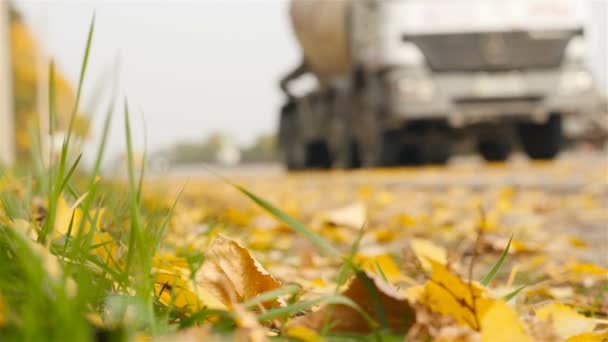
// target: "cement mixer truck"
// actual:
[[396, 82]]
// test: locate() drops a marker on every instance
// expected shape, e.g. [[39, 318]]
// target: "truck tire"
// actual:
[[411, 155], [495, 150], [390, 154], [542, 141], [293, 150], [317, 155], [436, 153]]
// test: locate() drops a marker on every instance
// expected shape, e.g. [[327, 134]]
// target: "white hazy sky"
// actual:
[[191, 67]]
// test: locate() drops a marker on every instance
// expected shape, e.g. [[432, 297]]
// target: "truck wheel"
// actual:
[[317, 155], [495, 150], [391, 149], [436, 153], [292, 148], [542, 141], [411, 155]]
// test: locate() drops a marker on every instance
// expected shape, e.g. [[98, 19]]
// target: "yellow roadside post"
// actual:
[[7, 123]]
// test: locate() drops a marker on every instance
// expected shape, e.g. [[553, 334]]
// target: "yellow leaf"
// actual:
[[447, 294], [427, 251], [171, 263], [232, 275], [302, 333], [491, 221], [500, 323], [587, 268], [63, 218], [262, 239], [601, 336], [384, 235], [172, 290], [107, 248], [413, 293], [380, 264], [565, 320], [319, 282], [577, 243]]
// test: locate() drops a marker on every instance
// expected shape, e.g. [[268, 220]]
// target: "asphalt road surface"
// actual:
[[566, 196]]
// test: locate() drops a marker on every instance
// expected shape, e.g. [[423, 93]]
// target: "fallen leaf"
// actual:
[[352, 216], [426, 251], [107, 248], [174, 291], [382, 265], [375, 297], [565, 320], [587, 269], [561, 292], [600, 336], [447, 294], [500, 323], [248, 326], [302, 333], [577, 243], [63, 218], [232, 275]]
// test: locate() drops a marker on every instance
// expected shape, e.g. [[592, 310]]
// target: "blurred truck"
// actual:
[[397, 82]]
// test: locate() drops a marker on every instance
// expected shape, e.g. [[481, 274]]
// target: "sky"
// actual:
[[188, 68]]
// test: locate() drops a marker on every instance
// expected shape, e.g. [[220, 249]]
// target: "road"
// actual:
[[549, 205]]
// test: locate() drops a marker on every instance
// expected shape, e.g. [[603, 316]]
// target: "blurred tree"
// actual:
[[263, 150], [24, 57], [209, 150], [193, 152]]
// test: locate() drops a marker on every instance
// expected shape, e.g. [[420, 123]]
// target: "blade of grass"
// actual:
[[134, 207], [488, 278], [54, 192], [69, 174], [272, 295], [375, 297], [294, 224], [136, 240], [69, 233], [381, 271], [305, 305], [140, 185], [513, 294], [83, 70], [52, 113], [165, 224]]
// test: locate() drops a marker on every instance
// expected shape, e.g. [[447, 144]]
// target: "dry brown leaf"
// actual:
[[362, 290], [232, 275]]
